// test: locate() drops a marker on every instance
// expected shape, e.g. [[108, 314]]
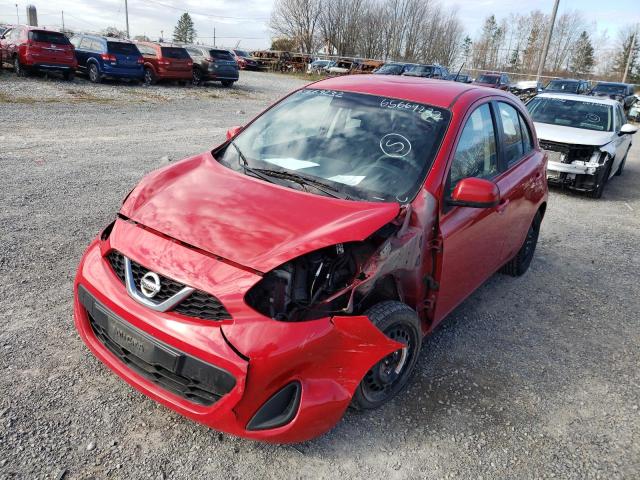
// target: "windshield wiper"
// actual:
[[245, 165], [304, 181]]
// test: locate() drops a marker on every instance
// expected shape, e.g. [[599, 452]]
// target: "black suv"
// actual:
[[581, 87], [427, 71], [213, 64], [616, 91]]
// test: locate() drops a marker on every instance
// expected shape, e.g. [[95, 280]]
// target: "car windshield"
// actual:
[[610, 89], [122, 48], [360, 146], [488, 79], [559, 86], [48, 37], [175, 52], [421, 69], [220, 55], [571, 113], [390, 69], [242, 53]]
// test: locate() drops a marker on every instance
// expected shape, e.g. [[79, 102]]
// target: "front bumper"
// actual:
[[326, 357], [578, 177]]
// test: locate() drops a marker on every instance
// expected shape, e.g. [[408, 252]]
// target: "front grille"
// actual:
[[171, 369], [199, 304], [566, 153]]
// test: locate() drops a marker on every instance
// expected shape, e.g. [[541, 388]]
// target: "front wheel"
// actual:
[[197, 77], [149, 77], [520, 263], [391, 374], [18, 67], [94, 73]]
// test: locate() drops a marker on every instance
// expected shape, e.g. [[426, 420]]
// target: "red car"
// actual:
[[165, 62], [500, 81], [263, 287], [30, 49]]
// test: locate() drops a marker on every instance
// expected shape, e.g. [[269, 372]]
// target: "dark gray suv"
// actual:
[[213, 64]]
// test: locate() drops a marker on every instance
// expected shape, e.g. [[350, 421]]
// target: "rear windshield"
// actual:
[[175, 52], [488, 79], [610, 89], [421, 69], [242, 53], [391, 68], [559, 86], [122, 48], [220, 55], [48, 37]]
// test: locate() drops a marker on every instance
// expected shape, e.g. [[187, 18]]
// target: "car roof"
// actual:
[[572, 80], [580, 98], [614, 84], [439, 93]]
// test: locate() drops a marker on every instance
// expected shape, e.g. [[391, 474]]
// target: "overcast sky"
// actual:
[[245, 21]]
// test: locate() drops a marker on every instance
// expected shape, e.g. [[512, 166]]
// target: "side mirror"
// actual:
[[475, 193], [628, 129], [233, 131]]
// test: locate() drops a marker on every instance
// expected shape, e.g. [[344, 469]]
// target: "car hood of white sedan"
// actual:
[[573, 136]]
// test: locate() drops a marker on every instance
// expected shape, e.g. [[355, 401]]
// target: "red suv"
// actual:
[[263, 287], [34, 49], [165, 62]]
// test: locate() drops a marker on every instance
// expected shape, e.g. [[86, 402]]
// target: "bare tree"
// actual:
[[297, 20]]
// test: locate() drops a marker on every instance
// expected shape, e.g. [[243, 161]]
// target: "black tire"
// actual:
[[391, 374], [18, 67], [69, 76], [519, 264], [624, 160], [149, 77], [227, 83], [94, 73], [196, 76]]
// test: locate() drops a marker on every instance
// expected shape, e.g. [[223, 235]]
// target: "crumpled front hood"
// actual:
[[246, 220], [573, 136]]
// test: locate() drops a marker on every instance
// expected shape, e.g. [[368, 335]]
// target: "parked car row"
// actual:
[[31, 49]]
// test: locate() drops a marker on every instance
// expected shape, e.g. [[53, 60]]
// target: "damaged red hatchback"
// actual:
[[265, 286]]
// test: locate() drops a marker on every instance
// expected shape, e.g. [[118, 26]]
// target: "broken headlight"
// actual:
[[308, 287]]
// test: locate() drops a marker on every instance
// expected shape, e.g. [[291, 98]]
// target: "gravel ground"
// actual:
[[534, 377]]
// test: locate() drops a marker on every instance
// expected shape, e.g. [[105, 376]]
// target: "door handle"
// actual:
[[502, 205]]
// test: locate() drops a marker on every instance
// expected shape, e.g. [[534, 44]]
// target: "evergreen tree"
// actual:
[[184, 31], [622, 56], [582, 60]]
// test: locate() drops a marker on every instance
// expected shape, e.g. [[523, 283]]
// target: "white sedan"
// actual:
[[586, 139]]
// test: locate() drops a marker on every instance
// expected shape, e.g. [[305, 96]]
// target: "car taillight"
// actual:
[[140, 60], [163, 62], [108, 57]]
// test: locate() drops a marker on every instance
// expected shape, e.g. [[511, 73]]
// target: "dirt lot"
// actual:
[[535, 377]]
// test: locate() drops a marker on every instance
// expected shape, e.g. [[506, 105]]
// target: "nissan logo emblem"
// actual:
[[150, 284]]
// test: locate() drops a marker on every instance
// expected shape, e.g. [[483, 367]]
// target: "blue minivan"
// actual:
[[106, 57]]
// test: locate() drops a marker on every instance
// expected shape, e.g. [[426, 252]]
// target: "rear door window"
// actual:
[[220, 55], [122, 48], [175, 52], [511, 133], [85, 44], [55, 38]]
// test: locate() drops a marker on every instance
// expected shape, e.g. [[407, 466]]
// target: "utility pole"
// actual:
[[633, 45], [547, 41], [126, 14], [162, 35], [63, 20], [17, 14], [214, 36]]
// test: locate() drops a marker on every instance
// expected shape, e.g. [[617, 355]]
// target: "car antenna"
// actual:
[[459, 70]]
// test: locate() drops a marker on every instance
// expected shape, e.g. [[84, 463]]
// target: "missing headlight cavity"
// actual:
[[316, 284]]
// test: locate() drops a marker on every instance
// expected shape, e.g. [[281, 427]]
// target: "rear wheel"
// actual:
[[391, 374], [149, 77], [18, 67], [520, 263], [227, 83], [94, 73]]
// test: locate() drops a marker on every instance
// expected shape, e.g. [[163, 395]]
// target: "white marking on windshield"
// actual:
[[395, 145]]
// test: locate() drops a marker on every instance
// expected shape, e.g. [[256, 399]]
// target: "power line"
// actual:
[[210, 15]]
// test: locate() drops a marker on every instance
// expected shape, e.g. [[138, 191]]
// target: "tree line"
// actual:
[[428, 31]]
